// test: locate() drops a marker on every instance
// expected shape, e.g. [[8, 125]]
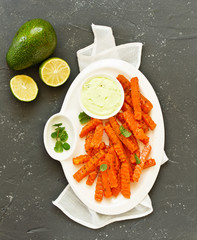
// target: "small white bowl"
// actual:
[[49, 142], [121, 91]]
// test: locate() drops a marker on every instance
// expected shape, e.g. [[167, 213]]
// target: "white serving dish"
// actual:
[[71, 109]]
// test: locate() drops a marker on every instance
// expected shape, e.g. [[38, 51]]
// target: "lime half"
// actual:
[[54, 72], [24, 88]]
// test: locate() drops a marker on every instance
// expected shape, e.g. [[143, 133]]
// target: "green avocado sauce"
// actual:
[[101, 96]]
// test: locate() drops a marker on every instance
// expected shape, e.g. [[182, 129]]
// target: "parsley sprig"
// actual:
[[61, 136]]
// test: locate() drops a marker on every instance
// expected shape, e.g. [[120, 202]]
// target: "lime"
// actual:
[[54, 71], [24, 88]]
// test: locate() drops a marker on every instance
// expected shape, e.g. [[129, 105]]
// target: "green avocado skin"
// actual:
[[34, 42]]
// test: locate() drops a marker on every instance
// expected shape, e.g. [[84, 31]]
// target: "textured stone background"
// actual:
[[30, 179]]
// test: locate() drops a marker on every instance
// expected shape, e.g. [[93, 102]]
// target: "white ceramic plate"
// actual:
[[71, 108]]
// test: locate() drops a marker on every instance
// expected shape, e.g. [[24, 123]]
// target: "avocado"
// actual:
[[34, 42]]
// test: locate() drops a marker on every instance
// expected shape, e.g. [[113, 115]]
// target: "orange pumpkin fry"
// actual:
[[81, 159], [106, 149], [116, 163], [99, 188], [92, 176], [135, 96], [97, 138], [148, 120], [132, 159], [125, 83], [149, 163], [118, 147], [94, 151], [102, 146], [131, 171], [128, 99], [91, 125], [126, 141], [133, 165], [143, 157], [143, 125], [89, 166], [115, 191], [125, 180], [106, 184], [137, 173], [88, 141], [135, 127], [111, 173], [129, 154], [146, 105], [125, 107], [132, 137], [120, 117]]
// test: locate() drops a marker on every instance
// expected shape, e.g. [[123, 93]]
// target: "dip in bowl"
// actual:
[[101, 96]]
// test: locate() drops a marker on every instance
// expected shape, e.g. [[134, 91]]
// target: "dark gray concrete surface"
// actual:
[[30, 179]]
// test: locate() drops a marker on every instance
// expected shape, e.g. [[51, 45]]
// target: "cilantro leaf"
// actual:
[[58, 147], [103, 167], [82, 115], [138, 161], [124, 132], [54, 134], [84, 118], [63, 136], [57, 124], [66, 146], [60, 129]]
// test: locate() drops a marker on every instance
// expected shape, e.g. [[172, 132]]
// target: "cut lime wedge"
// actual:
[[54, 72], [24, 88]]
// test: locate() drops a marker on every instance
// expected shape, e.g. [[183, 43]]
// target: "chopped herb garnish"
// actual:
[[66, 146], [103, 167], [54, 135], [84, 118], [137, 159], [61, 137], [60, 129], [57, 124], [124, 132], [58, 147]]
